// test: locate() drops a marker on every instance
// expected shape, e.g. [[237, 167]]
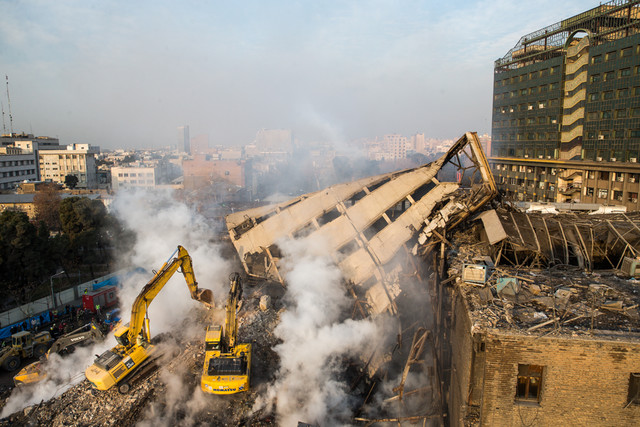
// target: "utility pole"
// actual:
[[4, 125]]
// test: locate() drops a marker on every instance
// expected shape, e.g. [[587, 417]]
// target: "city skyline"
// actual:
[[114, 74]]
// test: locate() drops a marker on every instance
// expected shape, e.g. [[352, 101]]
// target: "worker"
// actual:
[[98, 309]]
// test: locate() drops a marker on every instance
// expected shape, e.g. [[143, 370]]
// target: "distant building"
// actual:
[[199, 144], [566, 110], [128, 177], [16, 167], [204, 171], [184, 142], [274, 141], [73, 159]]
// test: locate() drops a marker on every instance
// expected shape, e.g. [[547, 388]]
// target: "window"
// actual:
[[605, 114], [610, 55], [607, 95], [595, 78], [596, 59], [625, 52], [589, 191], [623, 93], [633, 396], [593, 97], [621, 114], [602, 193], [633, 198], [608, 76], [523, 91], [617, 195], [592, 116], [625, 72], [604, 175]]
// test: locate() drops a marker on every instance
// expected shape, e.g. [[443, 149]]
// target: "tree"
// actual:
[[24, 256], [84, 223], [47, 206], [71, 181]]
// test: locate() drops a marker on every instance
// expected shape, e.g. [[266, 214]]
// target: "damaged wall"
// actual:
[[585, 381]]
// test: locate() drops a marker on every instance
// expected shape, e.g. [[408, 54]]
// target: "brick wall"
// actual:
[[585, 379]]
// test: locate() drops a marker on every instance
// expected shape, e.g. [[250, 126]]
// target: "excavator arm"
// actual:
[[231, 321], [138, 324]]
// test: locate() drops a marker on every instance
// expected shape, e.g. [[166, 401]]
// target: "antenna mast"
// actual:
[[9, 101], [4, 125]]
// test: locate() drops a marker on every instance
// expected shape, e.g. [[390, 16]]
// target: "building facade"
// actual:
[[16, 167], [566, 110], [73, 159], [128, 177]]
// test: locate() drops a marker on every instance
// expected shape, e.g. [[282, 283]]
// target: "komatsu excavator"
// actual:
[[135, 354], [227, 365]]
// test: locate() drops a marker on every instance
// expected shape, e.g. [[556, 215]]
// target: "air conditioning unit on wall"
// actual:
[[630, 267]]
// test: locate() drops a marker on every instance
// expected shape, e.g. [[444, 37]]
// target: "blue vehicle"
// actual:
[[112, 317]]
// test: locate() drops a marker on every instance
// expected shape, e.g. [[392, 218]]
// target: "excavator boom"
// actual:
[[155, 285]]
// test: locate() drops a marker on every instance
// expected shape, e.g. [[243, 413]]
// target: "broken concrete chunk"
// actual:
[[534, 289], [265, 302], [564, 293]]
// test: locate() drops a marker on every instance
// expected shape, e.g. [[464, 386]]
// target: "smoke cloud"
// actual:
[[315, 339]]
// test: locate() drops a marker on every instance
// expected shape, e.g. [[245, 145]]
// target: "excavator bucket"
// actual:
[[205, 296]]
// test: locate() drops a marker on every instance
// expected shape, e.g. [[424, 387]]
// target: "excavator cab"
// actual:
[[122, 335]]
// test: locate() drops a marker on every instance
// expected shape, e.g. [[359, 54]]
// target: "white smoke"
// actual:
[[61, 373], [315, 338], [161, 223]]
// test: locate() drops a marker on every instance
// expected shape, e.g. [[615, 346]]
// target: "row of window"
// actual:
[[527, 91], [611, 134], [528, 106], [617, 195], [137, 181], [529, 76], [610, 75], [622, 113], [540, 120], [19, 173], [609, 94], [614, 54], [600, 135], [133, 174], [8, 163]]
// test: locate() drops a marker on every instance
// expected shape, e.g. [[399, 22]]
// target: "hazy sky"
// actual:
[[128, 73]]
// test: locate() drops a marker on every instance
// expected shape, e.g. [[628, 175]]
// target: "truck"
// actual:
[[227, 364], [135, 354], [36, 372], [24, 344], [104, 298]]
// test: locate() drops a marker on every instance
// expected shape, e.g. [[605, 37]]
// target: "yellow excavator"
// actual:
[[227, 365], [135, 354]]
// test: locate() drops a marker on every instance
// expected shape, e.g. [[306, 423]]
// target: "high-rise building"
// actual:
[[566, 110], [184, 142]]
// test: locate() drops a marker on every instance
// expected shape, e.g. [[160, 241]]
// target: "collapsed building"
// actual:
[[527, 323], [373, 228]]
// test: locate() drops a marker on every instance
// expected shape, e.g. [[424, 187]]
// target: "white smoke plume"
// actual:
[[315, 338], [161, 224]]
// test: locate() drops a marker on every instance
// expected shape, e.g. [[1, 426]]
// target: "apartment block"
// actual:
[[566, 110], [73, 159]]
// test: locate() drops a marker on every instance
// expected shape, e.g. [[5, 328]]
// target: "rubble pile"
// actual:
[[171, 395], [558, 299]]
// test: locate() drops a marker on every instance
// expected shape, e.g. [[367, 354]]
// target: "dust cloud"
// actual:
[[315, 340]]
